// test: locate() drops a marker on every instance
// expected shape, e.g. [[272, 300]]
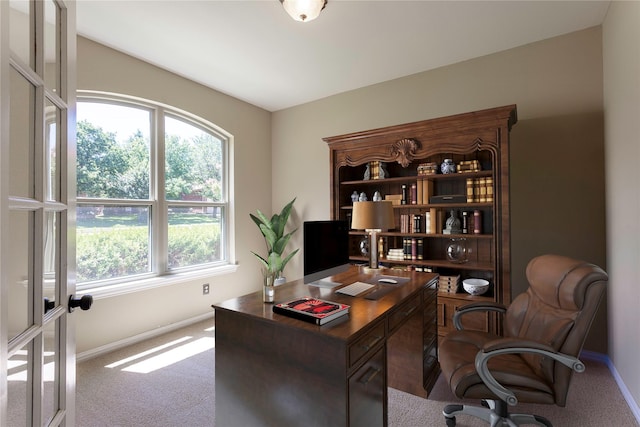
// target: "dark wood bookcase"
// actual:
[[480, 138]]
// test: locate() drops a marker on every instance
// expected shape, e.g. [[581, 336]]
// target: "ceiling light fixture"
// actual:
[[303, 10]]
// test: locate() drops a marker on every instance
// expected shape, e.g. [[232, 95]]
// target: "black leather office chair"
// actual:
[[544, 331]]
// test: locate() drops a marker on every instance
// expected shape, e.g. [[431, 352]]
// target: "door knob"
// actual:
[[48, 305], [84, 302]]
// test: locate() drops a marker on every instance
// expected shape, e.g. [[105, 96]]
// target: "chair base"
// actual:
[[495, 413]]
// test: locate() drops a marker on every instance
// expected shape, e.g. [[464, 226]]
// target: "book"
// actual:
[[312, 310], [427, 190]]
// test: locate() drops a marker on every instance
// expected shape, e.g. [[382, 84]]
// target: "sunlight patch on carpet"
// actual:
[[146, 353], [172, 356]]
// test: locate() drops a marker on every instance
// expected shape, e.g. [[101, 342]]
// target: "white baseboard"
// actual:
[[89, 354], [603, 358]]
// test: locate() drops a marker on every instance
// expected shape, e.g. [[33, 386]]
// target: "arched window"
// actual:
[[152, 191]]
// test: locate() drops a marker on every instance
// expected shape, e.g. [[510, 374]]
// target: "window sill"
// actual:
[[155, 282]]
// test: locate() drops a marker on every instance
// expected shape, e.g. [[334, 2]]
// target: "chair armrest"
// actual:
[[516, 346], [476, 306]]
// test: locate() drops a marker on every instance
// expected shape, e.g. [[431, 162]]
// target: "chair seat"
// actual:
[[510, 370]]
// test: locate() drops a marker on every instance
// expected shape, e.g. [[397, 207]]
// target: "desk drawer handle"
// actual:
[[373, 342], [369, 375], [408, 312]]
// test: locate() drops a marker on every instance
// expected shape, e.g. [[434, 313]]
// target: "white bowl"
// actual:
[[475, 286]]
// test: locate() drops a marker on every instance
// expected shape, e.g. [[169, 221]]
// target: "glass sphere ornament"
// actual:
[[364, 246], [457, 250]]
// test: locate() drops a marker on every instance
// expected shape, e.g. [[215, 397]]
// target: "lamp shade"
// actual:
[[372, 216], [303, 10]]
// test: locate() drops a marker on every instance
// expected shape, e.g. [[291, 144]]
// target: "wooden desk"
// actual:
[[273, 370]]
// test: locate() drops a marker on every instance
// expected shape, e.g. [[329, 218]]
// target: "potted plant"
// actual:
[[276, 239]]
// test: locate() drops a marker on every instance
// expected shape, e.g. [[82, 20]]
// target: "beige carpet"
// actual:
[[148, 385]]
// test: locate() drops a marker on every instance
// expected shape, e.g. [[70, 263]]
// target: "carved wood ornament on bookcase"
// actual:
[[482, 135]]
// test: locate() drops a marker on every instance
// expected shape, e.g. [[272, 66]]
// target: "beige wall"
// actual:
[[557, 157], [557, 151], [113, 319], [621, 45]]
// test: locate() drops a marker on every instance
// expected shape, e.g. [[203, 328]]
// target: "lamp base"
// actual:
[[371, 270]]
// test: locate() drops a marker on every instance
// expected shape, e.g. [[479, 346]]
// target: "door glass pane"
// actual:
[[50, 371], [50, 262], [19, 386], [51, 46], [20, 284], [194, 235], [113, 158], [52, 115], [193, 168], [20, 30], [21, 136], [112, 241]]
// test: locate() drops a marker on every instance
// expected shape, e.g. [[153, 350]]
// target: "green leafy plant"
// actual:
[[273, 231]]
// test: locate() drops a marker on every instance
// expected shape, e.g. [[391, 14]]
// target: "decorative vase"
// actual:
[[268, 288], [448, 166], [457, 251]]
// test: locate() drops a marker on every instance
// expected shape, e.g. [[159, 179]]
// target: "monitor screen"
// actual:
[[326, 249]]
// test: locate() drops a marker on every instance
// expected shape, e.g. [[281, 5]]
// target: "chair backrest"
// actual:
[[557, 310]]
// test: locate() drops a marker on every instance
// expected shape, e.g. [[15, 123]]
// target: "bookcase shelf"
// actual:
[[425, 235], [477, 266], [398, 156], [468, 206], [409, 178]]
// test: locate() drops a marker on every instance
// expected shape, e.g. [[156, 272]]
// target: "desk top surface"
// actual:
[[361, 314]]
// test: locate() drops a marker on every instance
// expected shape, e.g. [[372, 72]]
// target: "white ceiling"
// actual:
[[254, 51]]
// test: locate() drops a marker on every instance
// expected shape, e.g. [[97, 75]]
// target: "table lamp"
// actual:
[[373, 217]]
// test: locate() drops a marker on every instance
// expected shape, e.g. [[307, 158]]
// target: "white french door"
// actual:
[[37, 188]]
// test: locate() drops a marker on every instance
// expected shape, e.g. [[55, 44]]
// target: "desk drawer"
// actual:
[[403, 312], [476, 321], [366, 343]]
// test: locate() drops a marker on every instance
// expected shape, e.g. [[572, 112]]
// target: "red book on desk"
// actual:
[[312, 310]]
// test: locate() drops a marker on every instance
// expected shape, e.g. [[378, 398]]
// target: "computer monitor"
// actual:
[[326, 249]]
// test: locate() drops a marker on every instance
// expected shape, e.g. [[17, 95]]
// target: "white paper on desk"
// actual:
[[355, 288]]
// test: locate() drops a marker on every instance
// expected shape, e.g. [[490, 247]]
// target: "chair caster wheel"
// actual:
[[451, 422]]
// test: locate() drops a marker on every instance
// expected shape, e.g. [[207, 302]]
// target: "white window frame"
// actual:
[[160, 274]]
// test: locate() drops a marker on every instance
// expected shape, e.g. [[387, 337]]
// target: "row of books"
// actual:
[[412, 250], [417, 193], [412, 223], [479, 190], [433, 222]]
